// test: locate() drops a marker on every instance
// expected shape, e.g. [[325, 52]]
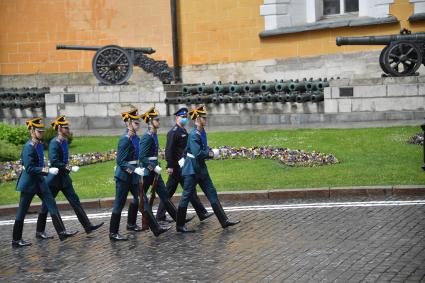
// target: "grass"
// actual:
[[373, 156]]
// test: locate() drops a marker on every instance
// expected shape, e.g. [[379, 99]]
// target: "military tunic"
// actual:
[[31, 181], [195, 170], [174, 151], [125, 178]]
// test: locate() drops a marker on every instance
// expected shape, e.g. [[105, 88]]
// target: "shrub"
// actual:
[[9, 151], [16, 135]]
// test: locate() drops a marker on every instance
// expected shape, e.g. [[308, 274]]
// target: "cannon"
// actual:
[[303, 97], [282, 86], [206, 89], [252, 87], [112, 64], [268, 87], [403, 54], [317, 96], [221, 88], [297, 86], [236, 88], [190, 89]]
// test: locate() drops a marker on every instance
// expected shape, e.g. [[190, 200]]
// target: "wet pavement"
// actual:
[[350, 240]]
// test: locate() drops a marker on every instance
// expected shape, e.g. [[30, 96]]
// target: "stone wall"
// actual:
[[406, 94], [344, 65]]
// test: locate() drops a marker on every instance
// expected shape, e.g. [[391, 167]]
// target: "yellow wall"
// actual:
[[221, 31], [211, 31], [30, 30]]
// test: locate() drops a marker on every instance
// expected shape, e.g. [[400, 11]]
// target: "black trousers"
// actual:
[[173, 182]]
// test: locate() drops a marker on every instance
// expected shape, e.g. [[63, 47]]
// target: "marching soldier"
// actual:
[[127, 176], [174, 151], [58, 158], [195, 172], [148, 159], [31, 182]]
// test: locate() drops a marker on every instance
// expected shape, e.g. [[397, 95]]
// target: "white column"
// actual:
[[418, 6], [275, 14], [314, 10]]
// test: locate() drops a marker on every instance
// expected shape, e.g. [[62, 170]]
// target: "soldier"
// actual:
[[31, 182], [195, 172], [58, 157], [127, 176], [174, 151], [148, 158]]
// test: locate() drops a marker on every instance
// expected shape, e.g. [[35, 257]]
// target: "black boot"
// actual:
[[180, 223], [41, 226], [85, 221], [114, 226], [132, 217], [154, 225], [60, 228], [17, 241], [172, 210], [200, 208], [219, 212]]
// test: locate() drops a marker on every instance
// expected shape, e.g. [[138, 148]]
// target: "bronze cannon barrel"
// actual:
[[146, 50], [379, 39]]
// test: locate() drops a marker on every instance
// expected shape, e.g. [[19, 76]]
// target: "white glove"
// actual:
[[75, 168], [139, 171], [181, 162], [157, 170], [216, 152], [53, 170]]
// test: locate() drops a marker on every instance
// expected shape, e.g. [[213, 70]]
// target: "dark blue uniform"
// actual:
[[176, 149], [58, 157], [148, 159], [195, 170], [126, 181], [31, 182]]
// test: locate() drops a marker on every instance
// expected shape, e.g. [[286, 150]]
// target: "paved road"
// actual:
[[366, 241]]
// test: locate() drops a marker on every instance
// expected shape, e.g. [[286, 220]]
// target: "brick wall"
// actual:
[[30, 30]]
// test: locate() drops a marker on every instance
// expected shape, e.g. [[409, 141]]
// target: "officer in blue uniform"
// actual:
[[31, 182], [148, 159], [127, 175], [58, 157], [174, 151], [195, 172]]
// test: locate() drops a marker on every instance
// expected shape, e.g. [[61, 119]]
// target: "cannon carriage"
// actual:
[[403, 54]]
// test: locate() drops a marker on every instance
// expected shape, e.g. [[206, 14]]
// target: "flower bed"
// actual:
[[417, 139], [10, 170]]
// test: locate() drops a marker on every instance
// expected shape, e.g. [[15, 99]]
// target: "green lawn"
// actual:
[[374, 156]]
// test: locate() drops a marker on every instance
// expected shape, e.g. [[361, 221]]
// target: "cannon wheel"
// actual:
[[402, 59], [112, 65], [381, 60]]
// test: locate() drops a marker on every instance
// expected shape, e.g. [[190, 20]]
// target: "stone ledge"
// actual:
[[336, 23], [277, 194], [417, 17]]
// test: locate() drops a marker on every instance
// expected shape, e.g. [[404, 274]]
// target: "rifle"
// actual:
[[145, 220]]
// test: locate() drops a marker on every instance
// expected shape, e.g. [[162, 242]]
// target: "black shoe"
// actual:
[[42, 236], [181, 220], [222, 217], [66, 234], [228, 223], [161, 230], [117, 237], [190, 218], [20, 243], [204, 216], [135, 228], [91, 228]]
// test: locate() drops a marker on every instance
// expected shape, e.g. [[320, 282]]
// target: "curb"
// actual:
[[277, 194]]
